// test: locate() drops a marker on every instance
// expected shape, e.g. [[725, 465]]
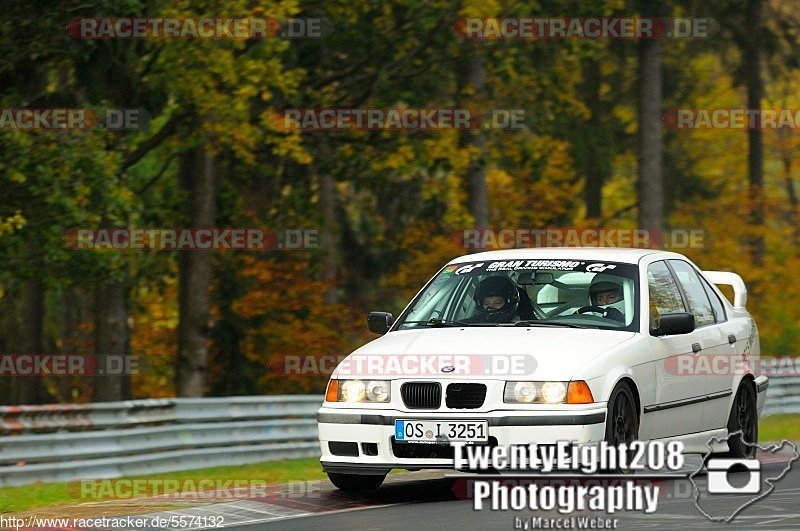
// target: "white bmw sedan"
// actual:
[[547, 345]]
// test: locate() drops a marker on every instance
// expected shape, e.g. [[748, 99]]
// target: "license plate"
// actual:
[[439, 431]]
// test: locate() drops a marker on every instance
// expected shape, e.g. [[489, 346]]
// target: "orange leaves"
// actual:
[[154, 314], [286, 316]]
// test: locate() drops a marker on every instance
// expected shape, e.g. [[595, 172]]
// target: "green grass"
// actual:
[[778, 427], [15, 499]]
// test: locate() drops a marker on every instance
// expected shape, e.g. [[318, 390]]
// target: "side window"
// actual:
[[698, 301], [716, 304], [665, 297]]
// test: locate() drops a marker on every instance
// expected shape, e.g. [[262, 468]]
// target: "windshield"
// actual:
[[563, 292]]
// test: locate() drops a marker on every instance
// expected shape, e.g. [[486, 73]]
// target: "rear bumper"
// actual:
[[376, 429]]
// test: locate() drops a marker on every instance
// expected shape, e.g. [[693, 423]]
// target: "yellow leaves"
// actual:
[[537, 188], [12, 223], [402, 156], [155, 323], [626, 114], [480, 9], [498, 178], [16, 176]]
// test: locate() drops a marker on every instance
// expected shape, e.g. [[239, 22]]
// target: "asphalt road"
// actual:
[[431, 500]]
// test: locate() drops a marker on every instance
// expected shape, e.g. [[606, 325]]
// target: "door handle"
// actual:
[[696, 347], [731, 339]]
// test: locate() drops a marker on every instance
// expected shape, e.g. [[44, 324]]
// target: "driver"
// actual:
[[497, 299], [605, 291]]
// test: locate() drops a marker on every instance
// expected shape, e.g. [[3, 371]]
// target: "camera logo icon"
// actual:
[[721, 475]]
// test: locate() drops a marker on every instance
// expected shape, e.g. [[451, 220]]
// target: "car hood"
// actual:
[[499, 353]]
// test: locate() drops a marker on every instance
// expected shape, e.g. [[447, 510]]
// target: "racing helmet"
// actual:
[[602, 282], [497, 286]]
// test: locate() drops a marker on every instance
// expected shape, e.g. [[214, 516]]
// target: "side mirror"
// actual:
[[671, 324], [379, 322]]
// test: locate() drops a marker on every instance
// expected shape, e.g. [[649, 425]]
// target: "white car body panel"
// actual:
[[690, 408]]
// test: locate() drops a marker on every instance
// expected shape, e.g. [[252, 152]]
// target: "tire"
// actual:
[[356, 482], [622, 421], [743, 417]]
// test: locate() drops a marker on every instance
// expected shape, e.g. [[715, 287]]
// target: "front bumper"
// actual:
[[375, 429], [762, 383]]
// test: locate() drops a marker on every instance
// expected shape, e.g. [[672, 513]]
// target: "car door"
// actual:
[[710, 365], [675, 410], [737, 333]]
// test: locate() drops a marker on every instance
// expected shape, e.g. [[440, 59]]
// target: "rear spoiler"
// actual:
[[730, 279]]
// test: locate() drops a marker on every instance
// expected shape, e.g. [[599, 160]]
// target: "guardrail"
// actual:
[[116, 439], [783, 395]]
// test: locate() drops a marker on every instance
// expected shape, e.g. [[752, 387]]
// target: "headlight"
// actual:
[[525, 392], [575, 392], [378, 391], [359, 391], [554, 392], [535, 393], [353, 391]]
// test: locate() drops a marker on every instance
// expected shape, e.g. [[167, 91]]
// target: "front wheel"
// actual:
[[355, 482], [622, 423]]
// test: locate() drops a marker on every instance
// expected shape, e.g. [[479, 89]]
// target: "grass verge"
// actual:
[[15, 499], [778, 427]]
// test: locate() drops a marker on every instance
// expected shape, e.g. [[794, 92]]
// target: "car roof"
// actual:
[[611, 254]]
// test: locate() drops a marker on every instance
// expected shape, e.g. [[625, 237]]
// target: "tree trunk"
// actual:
[[793, 218], [69, 330], [112, 383], [198, 175], [329, 237], [651, 164], [10, 331], [30, 389], [755, 150], [594, 163], [477, 190]]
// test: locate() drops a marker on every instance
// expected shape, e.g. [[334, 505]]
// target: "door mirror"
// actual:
[[670, 324], [379, 322]]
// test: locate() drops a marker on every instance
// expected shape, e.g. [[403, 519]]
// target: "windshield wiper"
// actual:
[[437, 323], [551, 324]]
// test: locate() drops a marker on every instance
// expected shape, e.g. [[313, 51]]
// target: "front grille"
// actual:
[[421, 395], [465, 395]]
